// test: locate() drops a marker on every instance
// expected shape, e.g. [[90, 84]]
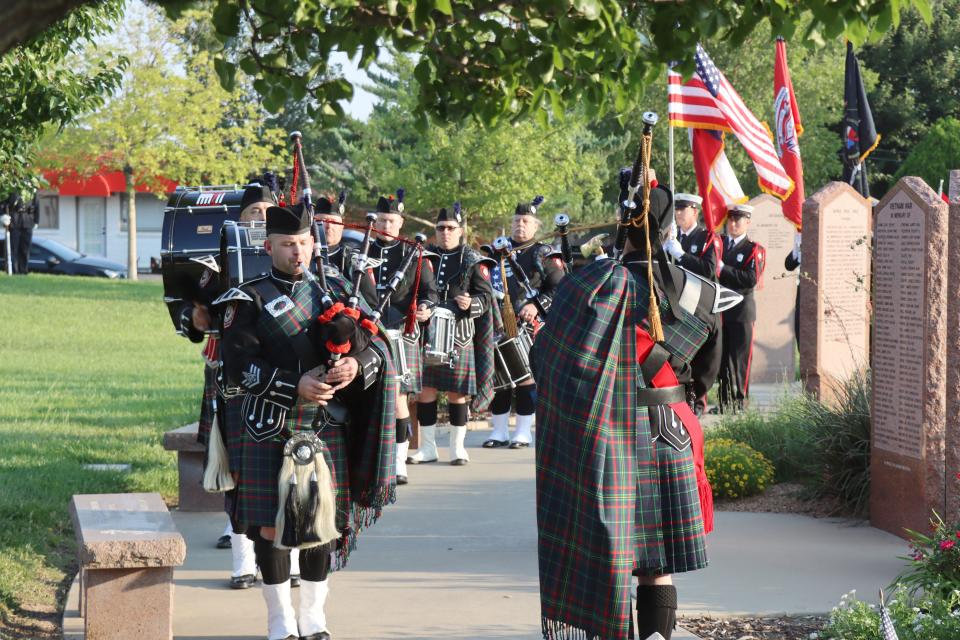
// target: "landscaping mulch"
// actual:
[[786, 497], [750, 628]]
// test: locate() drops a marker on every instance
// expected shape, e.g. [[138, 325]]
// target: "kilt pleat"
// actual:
[[412, 383], [461, 378]]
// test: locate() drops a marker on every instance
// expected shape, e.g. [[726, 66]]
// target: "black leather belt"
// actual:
[[651, 397]]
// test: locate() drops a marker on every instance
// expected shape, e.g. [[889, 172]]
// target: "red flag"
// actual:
[[716, 182], [786, 116]]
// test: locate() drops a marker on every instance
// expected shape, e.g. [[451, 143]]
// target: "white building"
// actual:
[[90, 216]]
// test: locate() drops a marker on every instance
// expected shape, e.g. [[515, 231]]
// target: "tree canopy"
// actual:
[[496, 61], [43, 86]]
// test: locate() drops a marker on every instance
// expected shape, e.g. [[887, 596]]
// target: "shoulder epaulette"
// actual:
[[208, 261], [232, 295]]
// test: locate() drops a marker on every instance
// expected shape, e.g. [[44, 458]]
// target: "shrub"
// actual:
[[735, 469], [930, 617], [783, 437], [934, 559]]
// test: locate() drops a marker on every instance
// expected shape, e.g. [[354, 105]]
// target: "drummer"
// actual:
[[390, 251], [463, 286], [544, 268]]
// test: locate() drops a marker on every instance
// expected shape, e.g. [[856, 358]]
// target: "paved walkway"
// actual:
[[456, 558]]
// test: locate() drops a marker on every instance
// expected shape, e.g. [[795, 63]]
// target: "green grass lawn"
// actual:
[[91, 371]]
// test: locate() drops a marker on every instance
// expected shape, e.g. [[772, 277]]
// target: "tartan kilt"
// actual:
[[461, 378], [257, 491], [412, 383], [206, 404], [232, 429], [681, 539]]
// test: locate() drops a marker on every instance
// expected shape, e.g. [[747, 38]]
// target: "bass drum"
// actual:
[[190, 240]]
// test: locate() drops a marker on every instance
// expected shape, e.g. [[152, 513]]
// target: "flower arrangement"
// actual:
[[934, 559], [929, 617], [736, 470]]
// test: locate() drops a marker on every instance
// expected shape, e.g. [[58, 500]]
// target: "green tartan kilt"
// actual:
[[461, 378], [258, 492], [232, 428], [412, 382], [681, 538], [206, 404]]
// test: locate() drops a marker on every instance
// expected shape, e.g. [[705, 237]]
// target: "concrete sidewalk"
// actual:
[[456, 558]]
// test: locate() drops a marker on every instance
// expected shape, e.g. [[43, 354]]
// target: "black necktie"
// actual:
[[683, 237]]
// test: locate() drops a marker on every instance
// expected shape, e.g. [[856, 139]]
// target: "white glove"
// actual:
[[796, 245], [672, 246]]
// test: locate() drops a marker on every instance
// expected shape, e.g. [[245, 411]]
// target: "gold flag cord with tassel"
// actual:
[[653, 308], [509, 316]]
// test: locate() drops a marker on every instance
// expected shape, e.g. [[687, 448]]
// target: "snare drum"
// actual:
[[242, 255], [441, 348], [512, 361]]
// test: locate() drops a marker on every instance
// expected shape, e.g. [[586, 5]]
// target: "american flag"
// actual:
[[887, 632], [709, 101]]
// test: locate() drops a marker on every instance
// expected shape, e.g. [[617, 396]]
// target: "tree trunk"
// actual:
[[21, 20], [131, 225]]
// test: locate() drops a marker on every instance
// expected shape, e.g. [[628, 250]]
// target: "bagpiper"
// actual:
[[314, 384], [411, 304]]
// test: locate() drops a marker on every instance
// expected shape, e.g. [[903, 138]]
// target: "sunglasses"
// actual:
[[446, 228]]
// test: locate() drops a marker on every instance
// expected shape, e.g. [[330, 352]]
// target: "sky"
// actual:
[[362, 103]]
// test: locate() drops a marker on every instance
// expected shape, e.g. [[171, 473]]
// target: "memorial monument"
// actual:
[[909, 357], [776, 295], [835, 289]]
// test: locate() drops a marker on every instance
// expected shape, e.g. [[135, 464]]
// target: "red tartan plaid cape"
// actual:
[[589, 459]]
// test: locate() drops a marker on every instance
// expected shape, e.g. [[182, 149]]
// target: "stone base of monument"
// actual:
[[190, 470], [127, 547]]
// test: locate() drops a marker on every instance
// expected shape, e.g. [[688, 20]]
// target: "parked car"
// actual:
[[49, 256]]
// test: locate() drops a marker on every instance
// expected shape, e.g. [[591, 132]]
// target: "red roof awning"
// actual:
[[100, 185]]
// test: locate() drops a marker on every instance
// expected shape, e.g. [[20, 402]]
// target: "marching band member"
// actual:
[[463, 285], [416, 289], [544, 269]]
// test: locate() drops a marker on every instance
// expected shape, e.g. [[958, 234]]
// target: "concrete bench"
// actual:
[[127, 546], [190, 468]]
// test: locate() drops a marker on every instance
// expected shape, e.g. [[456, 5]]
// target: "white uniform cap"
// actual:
[[744, 210], [686, 199]]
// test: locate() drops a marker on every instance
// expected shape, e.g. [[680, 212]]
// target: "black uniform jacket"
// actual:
[[700, 247], [392, 254], [743, 265]]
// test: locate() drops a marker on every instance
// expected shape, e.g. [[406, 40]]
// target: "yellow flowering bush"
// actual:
[[736, 470]]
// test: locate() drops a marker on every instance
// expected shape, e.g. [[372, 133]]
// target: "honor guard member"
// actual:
[[294, 405], [463, 286], [741, 267], [620, 479], [340, 253], [196, 317], [544, 268], [390, 251], [792, 263], [697, 249]]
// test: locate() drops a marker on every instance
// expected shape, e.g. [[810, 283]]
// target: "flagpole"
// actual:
[[673, 211]]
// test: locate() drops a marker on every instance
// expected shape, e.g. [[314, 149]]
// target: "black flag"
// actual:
[[860, 136]]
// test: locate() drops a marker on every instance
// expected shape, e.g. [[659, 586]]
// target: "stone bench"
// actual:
[[190, 468], [127, 546]]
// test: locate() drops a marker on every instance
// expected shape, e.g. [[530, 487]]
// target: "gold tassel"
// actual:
[[509, 316], [653, 309], [216, 475]]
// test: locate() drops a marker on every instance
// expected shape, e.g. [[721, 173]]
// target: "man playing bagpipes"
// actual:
[[197, 316], [621, 489], [339, 253], [318, 416], [410, 304], [458, 353]]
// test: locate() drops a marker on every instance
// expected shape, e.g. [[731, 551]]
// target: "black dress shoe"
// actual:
[[323, 635], [494, 444], [295, 580], [223, 542], [401, 480], [242, 582], [459, 462], [519, 445]]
